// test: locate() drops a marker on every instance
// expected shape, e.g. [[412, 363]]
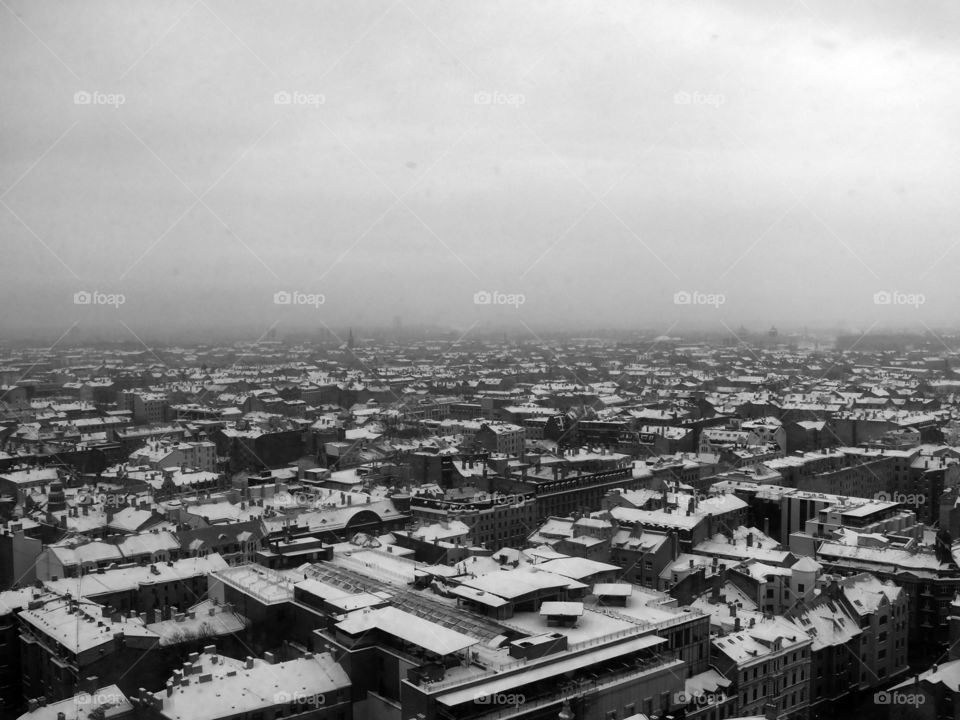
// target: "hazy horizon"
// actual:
[[237, 167]]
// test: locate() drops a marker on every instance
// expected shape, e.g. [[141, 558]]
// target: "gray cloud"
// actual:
[[794, 158]]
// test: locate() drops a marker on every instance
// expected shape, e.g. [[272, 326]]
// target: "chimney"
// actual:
[[715, 590]]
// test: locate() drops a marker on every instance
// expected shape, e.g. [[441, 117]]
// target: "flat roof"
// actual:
[[613, 589], [479, 596], [250, 689], [533, 673], [422, 633], [567, 609]]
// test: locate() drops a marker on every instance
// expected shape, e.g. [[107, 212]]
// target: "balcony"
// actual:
[[585, 686]]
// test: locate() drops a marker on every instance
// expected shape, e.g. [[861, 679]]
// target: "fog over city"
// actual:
[[195, 166]]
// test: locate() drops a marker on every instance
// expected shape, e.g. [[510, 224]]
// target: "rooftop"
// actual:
[[238, 691]]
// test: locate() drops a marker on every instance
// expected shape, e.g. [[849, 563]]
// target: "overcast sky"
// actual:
[[779, 162]]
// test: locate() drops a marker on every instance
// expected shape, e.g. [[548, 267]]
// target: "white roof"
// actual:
[[613, 589], [262, 686], [947, 673], [79, 707], [413, 629], [129, 578], [576, 567], [519, 582], [566, 609]]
